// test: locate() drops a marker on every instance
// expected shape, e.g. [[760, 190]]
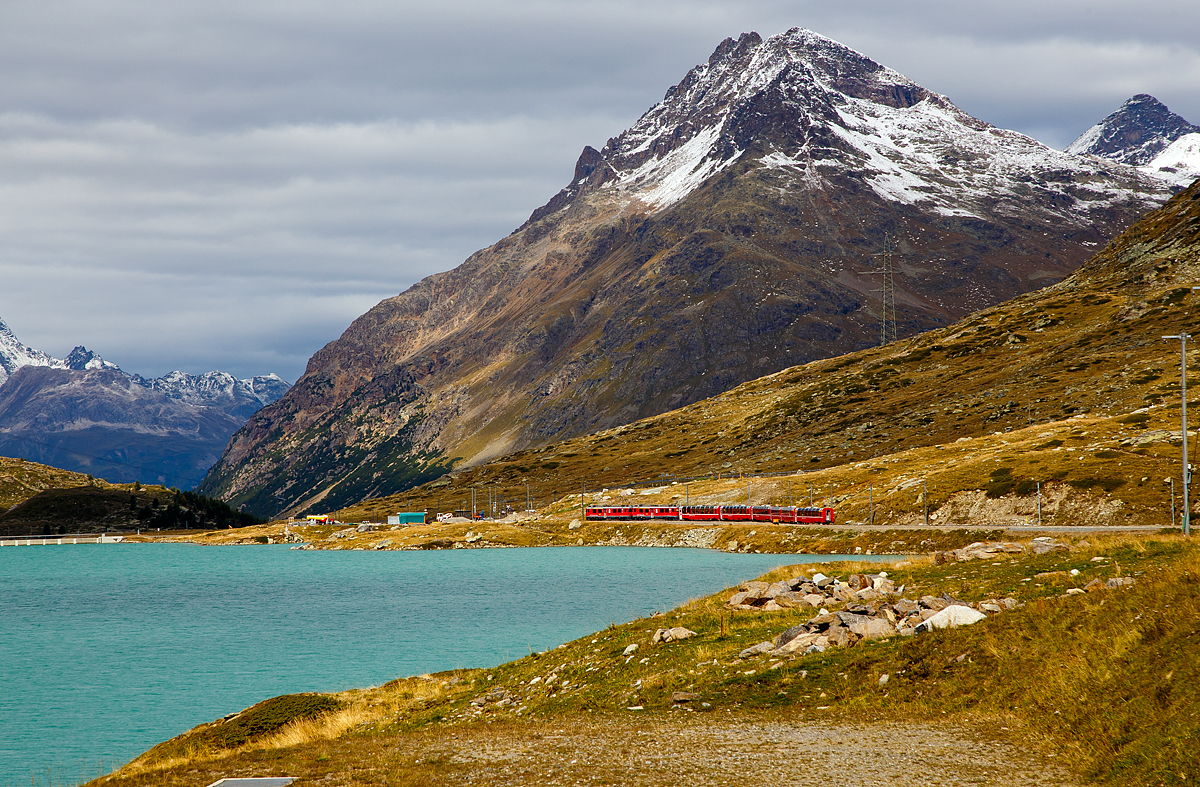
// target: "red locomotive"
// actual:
[[717, 513]]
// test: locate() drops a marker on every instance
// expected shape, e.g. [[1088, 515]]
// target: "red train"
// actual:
[[721, 513]]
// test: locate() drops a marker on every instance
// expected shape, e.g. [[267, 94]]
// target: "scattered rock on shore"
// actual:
[[951, 617], [671, 635], [869, 609]]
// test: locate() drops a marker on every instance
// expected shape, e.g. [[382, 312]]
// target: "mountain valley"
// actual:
[[1071, 388], [790, 200], [85, 414]]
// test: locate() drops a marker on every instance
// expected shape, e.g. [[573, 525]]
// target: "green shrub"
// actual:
[[1026, 487], [270, 715], [1107, 484]]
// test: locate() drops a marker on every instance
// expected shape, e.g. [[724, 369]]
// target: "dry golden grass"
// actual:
[[1107, 680]]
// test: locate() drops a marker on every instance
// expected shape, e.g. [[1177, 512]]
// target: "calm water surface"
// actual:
[[106, 650]]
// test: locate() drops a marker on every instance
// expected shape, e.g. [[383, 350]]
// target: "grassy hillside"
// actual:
[[1071, 386], [1070, 389], [1103, 683], [21, 480], [38, 500]]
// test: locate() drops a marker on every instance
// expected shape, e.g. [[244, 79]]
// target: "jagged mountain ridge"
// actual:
[[867, 111], [14, 354], [1135, 134], [206, 388], [84, 413], [1145, 134], [734, 230]]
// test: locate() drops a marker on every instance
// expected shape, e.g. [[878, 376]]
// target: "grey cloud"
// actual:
[[228, 184]]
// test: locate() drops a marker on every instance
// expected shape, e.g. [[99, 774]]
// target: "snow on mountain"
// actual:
[[838, 106], [216, 386], [735, 229], [85, 414], [1135, 134], [1179, 163], [14, 355], [203, 389], [82, 358]]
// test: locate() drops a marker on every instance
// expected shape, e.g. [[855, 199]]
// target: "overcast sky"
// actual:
[[227, 184]]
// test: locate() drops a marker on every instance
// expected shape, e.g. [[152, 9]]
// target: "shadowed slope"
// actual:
[[733, 231]]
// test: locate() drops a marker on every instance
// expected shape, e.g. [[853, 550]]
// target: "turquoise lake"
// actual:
[[106, 650]]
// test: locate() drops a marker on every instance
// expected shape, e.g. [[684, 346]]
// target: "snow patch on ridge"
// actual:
[[933, 155], [1087, 139], [14, 355], [1179, 163], [660, 183]]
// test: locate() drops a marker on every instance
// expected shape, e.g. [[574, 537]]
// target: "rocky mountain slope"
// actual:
[[1135, 134], [1071, 386], [739, 227], [83, 413], [1145, 134]]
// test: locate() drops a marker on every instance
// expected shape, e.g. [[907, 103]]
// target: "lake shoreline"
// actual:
[[732, 537], [720, 683], [172, 638]]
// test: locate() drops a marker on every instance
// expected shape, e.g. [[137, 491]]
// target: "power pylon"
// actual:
[[887, 294]]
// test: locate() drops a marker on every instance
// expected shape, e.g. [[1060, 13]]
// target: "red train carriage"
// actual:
[[631, 512], [713, 513]]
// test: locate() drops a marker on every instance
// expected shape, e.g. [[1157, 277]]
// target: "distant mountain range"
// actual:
[[85, 414], [743, 225]]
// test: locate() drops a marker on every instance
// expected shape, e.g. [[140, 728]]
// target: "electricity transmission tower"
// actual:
[[887, 294]]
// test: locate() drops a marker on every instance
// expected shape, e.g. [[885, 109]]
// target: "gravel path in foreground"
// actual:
[[705, 751]]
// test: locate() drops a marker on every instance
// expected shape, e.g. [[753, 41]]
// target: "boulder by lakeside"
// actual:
[[865, 607]]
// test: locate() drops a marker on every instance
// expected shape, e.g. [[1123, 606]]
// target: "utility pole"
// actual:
[[1187, 468], [1172, 502], [925, 500], [871, 501], [887, 294], [1039, 487], [810, 497]]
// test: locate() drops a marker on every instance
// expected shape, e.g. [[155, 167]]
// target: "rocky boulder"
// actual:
[[952, 617], [672, 635], [1044, 545]]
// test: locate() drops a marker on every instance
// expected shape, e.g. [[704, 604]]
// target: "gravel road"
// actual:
[[701, 751]]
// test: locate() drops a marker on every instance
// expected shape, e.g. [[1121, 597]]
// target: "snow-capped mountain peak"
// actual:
[[819, 111], [1135, 134], [14, 354], [81, 358], [84, 413], [203, 389], [214, 386]]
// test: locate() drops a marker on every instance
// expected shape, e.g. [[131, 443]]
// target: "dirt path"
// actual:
[[702, 751]]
